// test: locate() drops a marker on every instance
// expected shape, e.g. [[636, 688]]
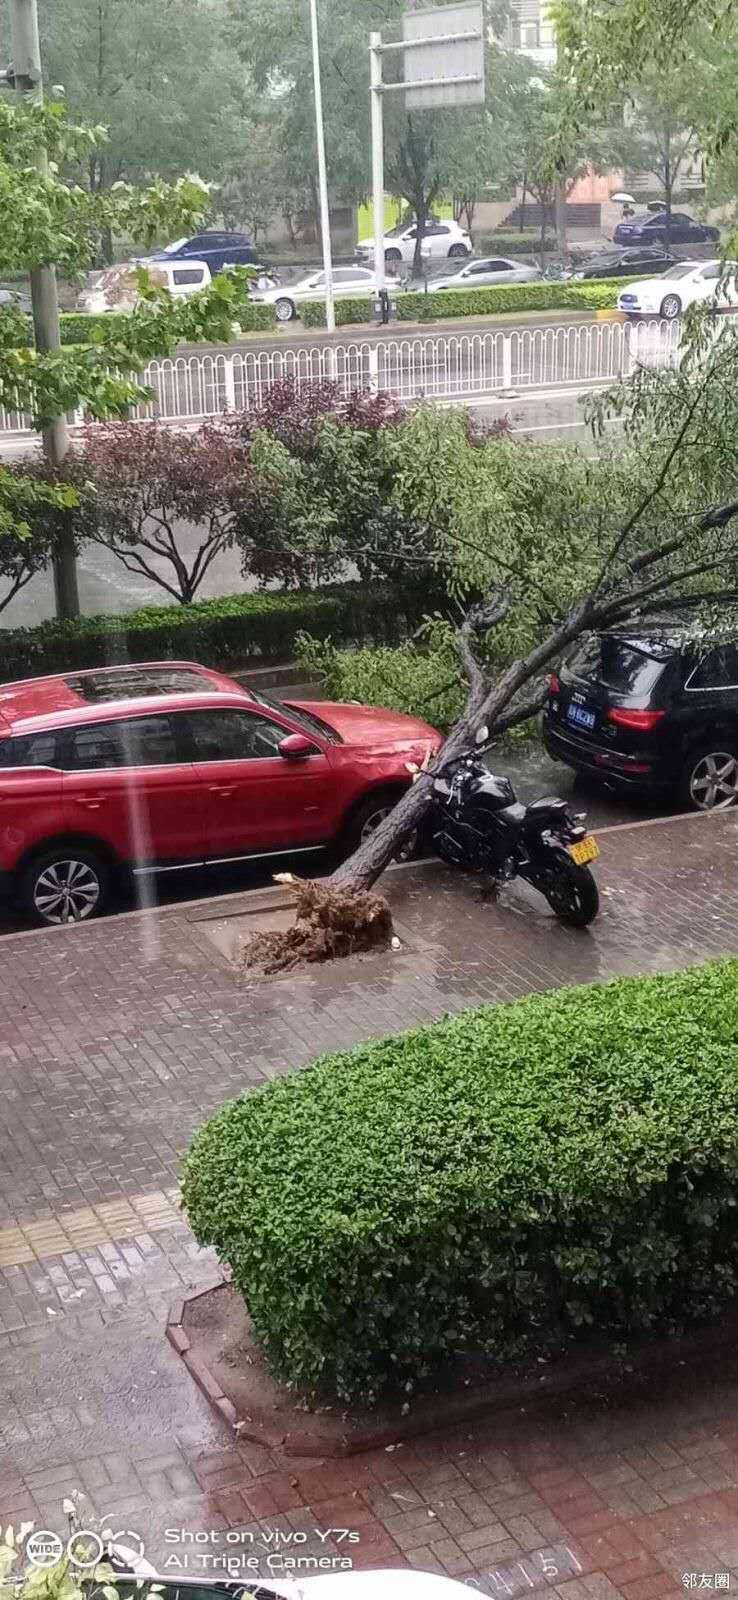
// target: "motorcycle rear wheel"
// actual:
[[571, 892]]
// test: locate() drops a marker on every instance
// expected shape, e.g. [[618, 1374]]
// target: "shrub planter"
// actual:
[[507, 1182], [211, 1331]]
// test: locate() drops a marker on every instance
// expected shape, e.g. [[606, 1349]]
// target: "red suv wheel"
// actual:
[[65, 885]]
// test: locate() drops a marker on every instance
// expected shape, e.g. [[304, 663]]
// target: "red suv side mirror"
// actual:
[[296, 747]]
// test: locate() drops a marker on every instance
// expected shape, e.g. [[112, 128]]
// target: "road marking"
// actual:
[[83, 1229]]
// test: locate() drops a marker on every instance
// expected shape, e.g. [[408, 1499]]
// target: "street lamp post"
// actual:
[[325, 218]]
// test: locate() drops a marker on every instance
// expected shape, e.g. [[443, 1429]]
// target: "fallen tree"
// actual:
[[661, 555]]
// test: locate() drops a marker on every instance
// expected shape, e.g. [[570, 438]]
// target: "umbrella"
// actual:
[[623, 199]]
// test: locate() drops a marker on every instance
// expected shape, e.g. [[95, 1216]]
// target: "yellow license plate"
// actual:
[[586, 850]]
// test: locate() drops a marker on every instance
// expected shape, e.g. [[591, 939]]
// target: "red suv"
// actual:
[[167, 765]]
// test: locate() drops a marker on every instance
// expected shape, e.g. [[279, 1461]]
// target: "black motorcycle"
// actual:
[[482, 827]]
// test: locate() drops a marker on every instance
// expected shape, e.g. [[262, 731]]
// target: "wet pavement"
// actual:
[[115, 1042]]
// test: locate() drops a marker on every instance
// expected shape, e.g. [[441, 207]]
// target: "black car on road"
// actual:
[[652, 708], [219, 250], [658, 228], [621, 263]]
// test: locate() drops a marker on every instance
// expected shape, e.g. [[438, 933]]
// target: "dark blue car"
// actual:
[[219, 250], [657, 228]]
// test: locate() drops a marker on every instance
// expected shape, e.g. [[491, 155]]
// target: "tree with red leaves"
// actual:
[[148, 483]]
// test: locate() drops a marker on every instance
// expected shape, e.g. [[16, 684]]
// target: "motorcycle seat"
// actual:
[[549, 805], [514, 813]]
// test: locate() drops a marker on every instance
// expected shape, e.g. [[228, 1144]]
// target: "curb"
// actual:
[[572, 1377]]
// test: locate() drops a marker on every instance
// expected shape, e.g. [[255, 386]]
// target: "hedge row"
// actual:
[[232, 631], [79, 328], [513, 244], [594, 295], [509, 1181]]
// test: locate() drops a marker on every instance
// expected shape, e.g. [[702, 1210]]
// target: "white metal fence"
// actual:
[[443, 366]]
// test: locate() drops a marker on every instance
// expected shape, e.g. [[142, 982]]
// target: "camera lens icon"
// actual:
[[85, 1550]]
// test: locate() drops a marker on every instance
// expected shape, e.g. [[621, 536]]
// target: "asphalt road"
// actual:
[[533, 774]]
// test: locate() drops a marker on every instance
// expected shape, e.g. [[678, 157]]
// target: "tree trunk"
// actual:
[[371, 859], [315, 208], [668, 188], [421, 213], [560, 201]]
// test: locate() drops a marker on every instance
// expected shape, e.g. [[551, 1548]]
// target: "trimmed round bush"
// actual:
[[504, 1181]]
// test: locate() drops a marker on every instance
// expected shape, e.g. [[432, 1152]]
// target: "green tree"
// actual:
[[606, 49], [254, 181], [157, 73], [49, 222], [421, 161], [538, 551], [531, 113]]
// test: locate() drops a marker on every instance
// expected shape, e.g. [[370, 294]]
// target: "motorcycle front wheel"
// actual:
[[571, 891]]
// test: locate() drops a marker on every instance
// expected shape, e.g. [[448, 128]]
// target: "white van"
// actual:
[[116, 288]]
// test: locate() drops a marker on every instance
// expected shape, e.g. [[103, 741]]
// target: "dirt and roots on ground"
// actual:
[[330, 922]]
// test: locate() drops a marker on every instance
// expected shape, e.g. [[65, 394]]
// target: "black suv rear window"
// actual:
[[618, 664]]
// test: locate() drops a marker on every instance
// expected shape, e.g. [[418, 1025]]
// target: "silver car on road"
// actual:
[[347, 283], [480, 273]]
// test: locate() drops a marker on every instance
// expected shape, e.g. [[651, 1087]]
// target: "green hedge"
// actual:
[[513, 244], [79, 328], [232, 631], [509, 1180], [595, 295]]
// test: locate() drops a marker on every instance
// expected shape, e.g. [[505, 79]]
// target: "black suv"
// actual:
[[651, 707], [219, 250]]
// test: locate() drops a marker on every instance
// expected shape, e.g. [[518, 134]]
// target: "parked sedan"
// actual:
[[687, 284], [621, 263], [132, 770], [491, 270], [658, 228], [439, 239], [347, 282]]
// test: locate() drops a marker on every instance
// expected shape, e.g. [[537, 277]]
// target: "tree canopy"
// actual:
[[50, 222]]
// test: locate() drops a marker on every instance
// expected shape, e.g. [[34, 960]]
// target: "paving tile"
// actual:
[[158, 1037]]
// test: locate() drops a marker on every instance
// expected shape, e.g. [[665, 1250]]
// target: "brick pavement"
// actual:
[[115, 1041]]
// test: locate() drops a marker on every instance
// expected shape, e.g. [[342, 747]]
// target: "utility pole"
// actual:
[[29, 87], [375, 57], [325, 216], [560, 191]]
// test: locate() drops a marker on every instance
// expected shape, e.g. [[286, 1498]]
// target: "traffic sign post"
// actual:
[[443, 65]]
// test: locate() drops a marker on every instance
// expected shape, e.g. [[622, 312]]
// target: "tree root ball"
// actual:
[[330, 923]]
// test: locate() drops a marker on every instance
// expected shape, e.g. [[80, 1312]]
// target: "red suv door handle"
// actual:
[[92, 802], [224, 790]]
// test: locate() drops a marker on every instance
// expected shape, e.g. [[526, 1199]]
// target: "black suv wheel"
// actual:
[[709, 780]]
